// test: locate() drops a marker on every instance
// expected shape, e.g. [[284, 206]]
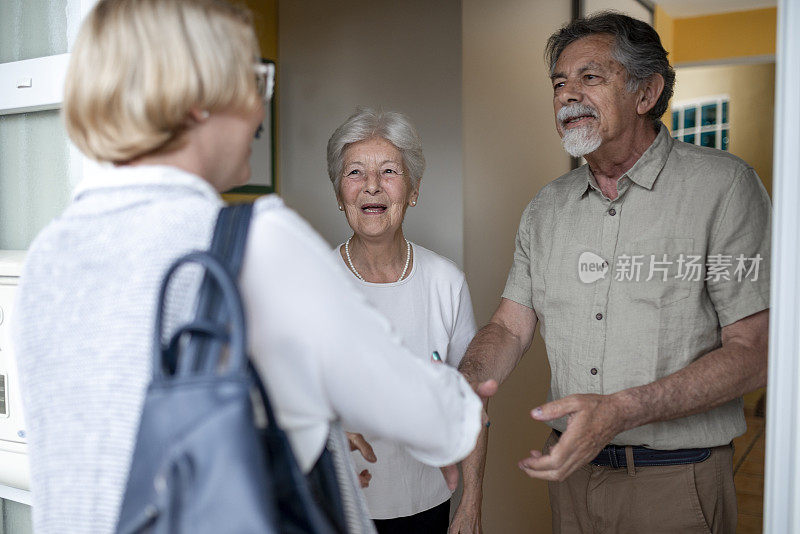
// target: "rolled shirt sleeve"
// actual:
[[518, 285]]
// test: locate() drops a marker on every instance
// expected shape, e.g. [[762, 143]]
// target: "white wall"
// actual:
[[403, 56]]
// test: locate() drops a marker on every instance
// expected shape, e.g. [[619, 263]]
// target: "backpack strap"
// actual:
[[228, 245], [164, 357], [199, 342]]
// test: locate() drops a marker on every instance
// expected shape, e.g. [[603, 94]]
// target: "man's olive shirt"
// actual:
[[631, 290]]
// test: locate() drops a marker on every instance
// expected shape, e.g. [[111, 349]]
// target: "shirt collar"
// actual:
[[646, 169], [108, 177], [585, 180]]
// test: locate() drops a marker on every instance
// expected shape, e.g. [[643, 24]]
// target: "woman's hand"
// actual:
[[450, 474], [364, 477], [358, 443]]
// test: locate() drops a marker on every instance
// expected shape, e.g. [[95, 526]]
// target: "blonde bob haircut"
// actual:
[[139, 67]]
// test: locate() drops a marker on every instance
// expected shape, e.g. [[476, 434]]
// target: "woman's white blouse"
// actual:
[[84, 318], [431, 309]]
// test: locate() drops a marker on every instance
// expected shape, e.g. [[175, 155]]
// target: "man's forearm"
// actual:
[[737, 367], [472, 468], [714, 379], [492, 354]]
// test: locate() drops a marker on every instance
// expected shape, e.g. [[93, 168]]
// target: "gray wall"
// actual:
[[403, 56]]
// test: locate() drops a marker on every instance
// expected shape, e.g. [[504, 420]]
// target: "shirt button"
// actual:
[[599, 316], [594, 370], [612, 212]]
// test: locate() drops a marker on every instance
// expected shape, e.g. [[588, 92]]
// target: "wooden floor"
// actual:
[[748, 465]]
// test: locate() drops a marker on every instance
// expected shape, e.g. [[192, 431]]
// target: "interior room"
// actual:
[[471, 76]]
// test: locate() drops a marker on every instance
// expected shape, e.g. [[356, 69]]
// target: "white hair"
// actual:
[[369, 123]]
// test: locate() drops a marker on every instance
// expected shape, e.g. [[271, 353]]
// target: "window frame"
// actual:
[[718, 127], [37, 84]]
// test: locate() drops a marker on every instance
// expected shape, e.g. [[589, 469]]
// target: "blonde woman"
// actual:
[[165, 93]]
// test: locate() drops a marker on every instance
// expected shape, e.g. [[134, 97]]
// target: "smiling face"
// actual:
[[590, 98], [375, 189]]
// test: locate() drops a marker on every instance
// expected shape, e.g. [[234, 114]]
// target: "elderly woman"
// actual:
[[174, 130], [375, 163]]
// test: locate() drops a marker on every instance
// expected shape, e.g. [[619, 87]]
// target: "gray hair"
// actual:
[[636, 46], [368, 123]]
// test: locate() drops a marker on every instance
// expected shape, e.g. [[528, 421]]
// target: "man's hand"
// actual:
[[467, 519], [738, 366], [593, 420]]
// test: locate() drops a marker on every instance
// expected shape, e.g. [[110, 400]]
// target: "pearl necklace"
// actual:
[[358, 275]]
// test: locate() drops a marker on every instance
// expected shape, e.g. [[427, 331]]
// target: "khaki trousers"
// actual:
[[692, 498]]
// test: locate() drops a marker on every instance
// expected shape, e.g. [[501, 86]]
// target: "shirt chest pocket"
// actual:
[[658, 272]]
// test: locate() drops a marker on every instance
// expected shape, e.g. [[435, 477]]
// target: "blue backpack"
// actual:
[[201, 464]]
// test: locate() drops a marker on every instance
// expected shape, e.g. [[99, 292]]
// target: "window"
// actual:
[[38, 165], [703, 121]]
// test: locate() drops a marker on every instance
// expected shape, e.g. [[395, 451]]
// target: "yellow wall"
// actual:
[[752, 92], [265, 20], [712, 38], [665, 26], [721, 38], [724, 36]]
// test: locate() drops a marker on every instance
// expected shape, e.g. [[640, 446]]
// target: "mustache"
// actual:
[[575, 110]]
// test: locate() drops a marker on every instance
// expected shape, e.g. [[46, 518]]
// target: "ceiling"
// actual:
[[693, 8]]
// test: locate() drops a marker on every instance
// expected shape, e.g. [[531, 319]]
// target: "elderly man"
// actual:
[[648, 272]]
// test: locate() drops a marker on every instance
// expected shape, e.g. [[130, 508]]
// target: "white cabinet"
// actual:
[[14, 472]]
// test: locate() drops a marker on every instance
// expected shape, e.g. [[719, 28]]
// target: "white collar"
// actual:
[[109, 176]]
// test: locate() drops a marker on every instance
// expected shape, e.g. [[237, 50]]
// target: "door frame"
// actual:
[[782, 470]]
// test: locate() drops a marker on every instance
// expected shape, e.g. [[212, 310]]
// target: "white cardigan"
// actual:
[[83, 323]]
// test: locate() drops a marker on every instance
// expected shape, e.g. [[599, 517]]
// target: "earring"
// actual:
[[341, 208], [413, 202], [204, 114]]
